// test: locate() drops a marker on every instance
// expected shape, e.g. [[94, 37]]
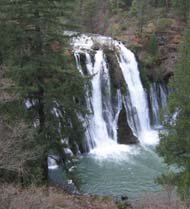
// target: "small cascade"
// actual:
[[106, 103], [52, 164], [158, 101], [118, 109], [154, 105]]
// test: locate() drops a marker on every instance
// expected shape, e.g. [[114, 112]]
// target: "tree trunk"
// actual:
[[41, 110], [45, 168], [40, 98], [41, 132]]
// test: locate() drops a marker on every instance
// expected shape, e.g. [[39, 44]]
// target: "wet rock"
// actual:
[[116, 75], [83, 63], [124, 197], [161, 40], [125, 134], [68, 152]]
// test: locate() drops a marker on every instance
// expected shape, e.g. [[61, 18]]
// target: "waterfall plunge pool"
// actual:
[[132, 172], [110, 168]]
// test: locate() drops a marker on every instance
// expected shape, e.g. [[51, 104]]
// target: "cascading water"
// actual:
[[154, 105], [158, 101], [102, 124], [98, 129], [137, 95]]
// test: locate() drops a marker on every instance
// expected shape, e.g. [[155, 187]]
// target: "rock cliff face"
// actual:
[[167, 29], [161, 65], [125, 134]]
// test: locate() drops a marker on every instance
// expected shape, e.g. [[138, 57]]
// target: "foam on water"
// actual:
[[113, 151]]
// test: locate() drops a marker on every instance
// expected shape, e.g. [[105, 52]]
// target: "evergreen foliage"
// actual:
[[175, 145], [138, 9], [40, 64], [182, 7]]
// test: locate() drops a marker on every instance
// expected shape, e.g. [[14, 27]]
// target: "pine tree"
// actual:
[[175, 145], [138, 9], [40, 63]]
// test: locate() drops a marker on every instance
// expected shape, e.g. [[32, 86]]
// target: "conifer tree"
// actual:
[[175, 144], [182, 7], [40, 63], [139, 9]]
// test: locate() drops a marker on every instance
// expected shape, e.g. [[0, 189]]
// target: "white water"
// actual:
[[154, 104], [52, 164], [158, 101], [137, 94], [101, 125], [97, 124]]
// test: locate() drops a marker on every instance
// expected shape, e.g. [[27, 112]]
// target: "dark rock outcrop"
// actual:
[[125, 134]]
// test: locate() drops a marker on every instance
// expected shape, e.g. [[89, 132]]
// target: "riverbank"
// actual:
[[14, 197]]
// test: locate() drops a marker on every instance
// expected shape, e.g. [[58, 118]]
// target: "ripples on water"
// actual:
[[132, 172]]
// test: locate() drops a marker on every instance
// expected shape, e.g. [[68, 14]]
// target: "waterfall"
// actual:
[[137, 96], [104, 105], [154, 105]]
